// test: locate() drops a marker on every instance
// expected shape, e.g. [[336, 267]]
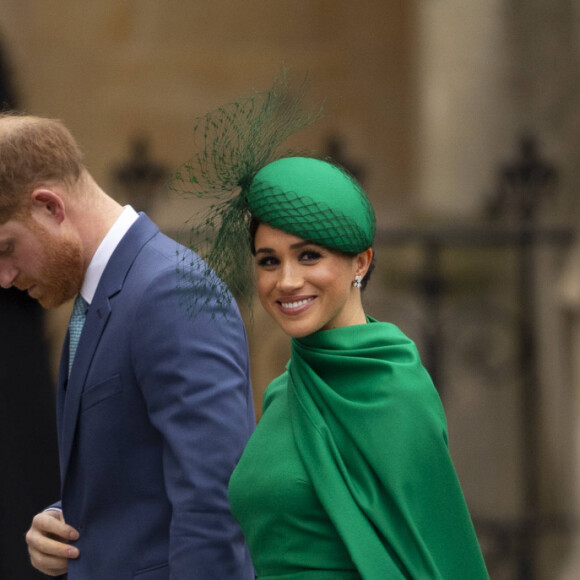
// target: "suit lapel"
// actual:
[[70, 390]]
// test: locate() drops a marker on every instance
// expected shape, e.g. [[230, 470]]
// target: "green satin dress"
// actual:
[[348, 473]]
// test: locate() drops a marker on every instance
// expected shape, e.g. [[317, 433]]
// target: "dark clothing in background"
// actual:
[[28, 449]]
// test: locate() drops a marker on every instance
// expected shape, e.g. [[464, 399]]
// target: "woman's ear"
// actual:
[[363, 261]]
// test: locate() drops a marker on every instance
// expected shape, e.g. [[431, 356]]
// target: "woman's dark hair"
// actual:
[[254, 223]]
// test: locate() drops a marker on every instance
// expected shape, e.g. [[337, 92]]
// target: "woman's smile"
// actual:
[[295, 306]]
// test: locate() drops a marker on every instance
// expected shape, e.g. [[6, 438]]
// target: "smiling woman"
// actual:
[[306, 287], [348, 474], [352, 442]]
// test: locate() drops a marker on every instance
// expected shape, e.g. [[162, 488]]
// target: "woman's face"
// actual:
[[305, 287]]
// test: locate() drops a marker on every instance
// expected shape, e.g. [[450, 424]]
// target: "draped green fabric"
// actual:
[[371, 432]]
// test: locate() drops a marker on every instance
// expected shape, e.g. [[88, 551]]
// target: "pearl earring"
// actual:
[[357, 282]]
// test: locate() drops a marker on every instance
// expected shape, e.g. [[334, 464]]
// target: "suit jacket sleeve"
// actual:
[[193, 373]]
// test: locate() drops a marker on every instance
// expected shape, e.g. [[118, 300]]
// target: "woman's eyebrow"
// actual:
[[300, 245], [295, 246]]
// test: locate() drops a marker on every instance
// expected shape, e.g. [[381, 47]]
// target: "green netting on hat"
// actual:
[[314, 200], [235, 141]]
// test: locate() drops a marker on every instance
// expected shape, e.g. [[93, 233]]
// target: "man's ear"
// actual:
[[48, 204]]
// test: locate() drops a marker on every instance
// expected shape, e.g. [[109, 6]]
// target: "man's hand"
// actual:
[[48, 543]]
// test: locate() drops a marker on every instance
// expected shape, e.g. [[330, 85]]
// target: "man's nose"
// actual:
[[7, 276]]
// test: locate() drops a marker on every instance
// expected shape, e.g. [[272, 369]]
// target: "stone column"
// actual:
[[464, 126]]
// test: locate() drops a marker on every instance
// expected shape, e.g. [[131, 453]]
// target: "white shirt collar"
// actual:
[[105, 251]]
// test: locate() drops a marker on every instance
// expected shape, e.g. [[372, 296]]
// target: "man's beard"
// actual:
[[62, 272]]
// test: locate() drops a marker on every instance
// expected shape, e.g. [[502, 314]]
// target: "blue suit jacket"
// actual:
[[151, 423]]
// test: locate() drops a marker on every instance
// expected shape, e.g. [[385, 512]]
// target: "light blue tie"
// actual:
[[75, 327]]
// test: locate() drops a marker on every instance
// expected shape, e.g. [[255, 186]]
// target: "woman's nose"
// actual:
[[290, 278]]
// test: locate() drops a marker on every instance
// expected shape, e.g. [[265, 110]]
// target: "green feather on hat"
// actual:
[[241, 170]]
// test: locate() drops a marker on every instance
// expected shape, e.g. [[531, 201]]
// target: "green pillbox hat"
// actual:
[[314, 200]]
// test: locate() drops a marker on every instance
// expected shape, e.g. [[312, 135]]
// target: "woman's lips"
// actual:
[[295, 306]]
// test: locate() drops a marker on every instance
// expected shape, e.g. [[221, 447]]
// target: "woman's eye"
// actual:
[[267, 261], [310, 256]]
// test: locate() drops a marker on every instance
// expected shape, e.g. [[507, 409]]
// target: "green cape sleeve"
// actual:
[[370, 428]]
